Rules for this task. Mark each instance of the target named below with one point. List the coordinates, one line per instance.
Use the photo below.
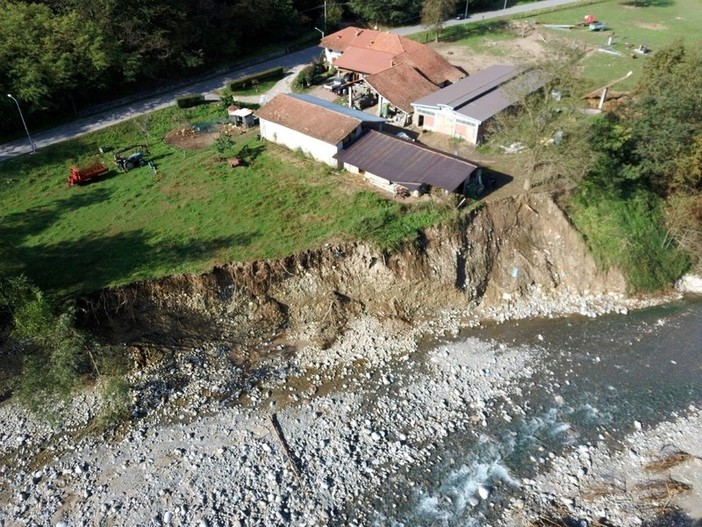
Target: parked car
(334, 83)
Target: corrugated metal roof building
(462, 109)
(390, 162)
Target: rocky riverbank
(308, 438)
(289, 392)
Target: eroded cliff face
(518, 250)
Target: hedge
(245, 83)
(188, 101)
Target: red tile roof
(367, 61)
(432, 65)
(309, 119)
(368, 51)
(367, 39)
(401, 85)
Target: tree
(666, 114)
(435, 13)
(387, 12)
(334, 14)
(545, 123)
(222, 144)
(44, 56)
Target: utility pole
(325, 16)
(505, 7)
(34, 148)
(465, 15)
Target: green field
(194, 213)
(655, 23)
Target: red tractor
(82, 175)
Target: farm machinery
(131, 161)
(83, 175)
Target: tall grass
(627, 232)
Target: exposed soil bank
(512, 259)
(352, 414)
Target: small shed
(242, 117)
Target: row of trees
(58, 54)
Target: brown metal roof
(308, 118)
(401, 85)
(406, 163)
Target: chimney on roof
(358, 31)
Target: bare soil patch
(528, 46)
(651, 25)
(189, 139)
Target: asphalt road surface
(208, 87)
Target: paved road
(117, 115)
(473, 17)
(208, 87)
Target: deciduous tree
(552, 135)
(387, 12)
(435, 13)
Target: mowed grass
(655, 23)
(195, 213)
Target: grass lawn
(654, 22)
(195, 213)
(657, 24)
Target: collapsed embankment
(203, 447)
(514, 258)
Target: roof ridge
(425, 147)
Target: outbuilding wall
(449, 123)
(293, 139)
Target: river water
(596, 380)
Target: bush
(228, 100)
(249, 81)
(55, 355)
(53, 350)
(627, 232)
(304, 79)
(188, 101)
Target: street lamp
(34, 148)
